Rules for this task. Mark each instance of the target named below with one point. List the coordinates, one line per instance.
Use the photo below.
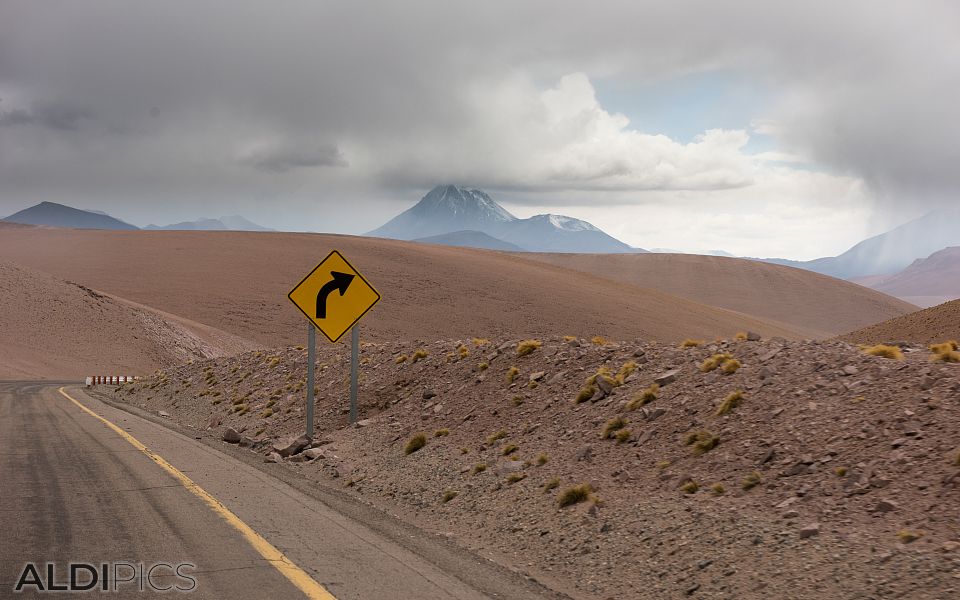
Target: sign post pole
(311, 360)
(354, 359)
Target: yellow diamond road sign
(334, 296)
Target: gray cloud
(418, 92)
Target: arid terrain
(929, 325)
(834, 476)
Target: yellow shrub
(884, 351)
(527, 346)
(512, 373)
(730, 402)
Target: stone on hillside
(273, 457)
(850, 370)
(428, 393)
(604, 385)
(291, 446)
(810, 531)
(753, 337)
(537, 376)
(314, 453)
(230, 435)
(884, 506)
(556, 378)
(666, 378)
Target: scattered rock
(428, 393)
(314, 453)
(163, 414)
(273, 457)
(666, 378)
(810, 531)
(850, 370)
(291, 446)
(884, 506)
(230, 435)
(537, 376)
(753, 337)
(364, 423)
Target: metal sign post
(354, 359)
(311, 361)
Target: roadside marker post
(334, 296)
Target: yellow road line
(296, 575)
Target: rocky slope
(835, 474)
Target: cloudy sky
(765, 128)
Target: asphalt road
(74, 490)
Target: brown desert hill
(927, 326)
(798, 297)
(55, 328)
(927, 282)
(238, 281)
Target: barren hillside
(927, 282)
(795, 296)
(834, 474)
(930, 325)
(51, 328)
(237, 282)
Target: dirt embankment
(834, 475)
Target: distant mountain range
(52, 214)
(59, 215)
(927, 282)
(892, 251)
(231, 223)
(458, 214)
(470, 239)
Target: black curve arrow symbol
(340, 282)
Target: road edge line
(297, 576)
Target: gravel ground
(839, 470)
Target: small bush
(729, 403)
(906, 536)
(662, 464)
(483, 366)
(419, 355)
(715, 361)
(612, 426)
(493, 437)
(645, 397)
(527, 347)
(464, 451)
(509, 449)
(946, 352)
(274, 361)
(625, 371)
(518, 400)
(574, 495)
(840, 471)
(512, 373)
(585, 394)
(731, 366)
(480, 342)
(717, 489)
(569, 338)
(515, 477)
(441, 432)
(689, 343)
(267, 413)
(415, 443)
(448, 496)
(598, 340)
(542, 459)
(690, 487)
(741, 336)
(623, 436)
(400, 359)
(463, 351)
(884, 351)
(751, 481)
(479, 468)
(551, 485)
(702, 441)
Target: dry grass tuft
(509, 449)
(512, 373)
(612, 426)
(625, 371)
(751, 481)
(515, 477)
(598, 340)
(585, 393)
(483, 366)
(906, 536)
(441, 432)
(527, 347)
(840, 471)
(741, 336)
(623, 436)
(463, 351)
(689, 343)
(717, 489)
(542, 459)
(478, 342)
(569, 338)
(702, 441)
(479, 468)
(497, 435)
(714, 361)
(690, 487)
(267, 413)
(945, 352)
(448, 496)
(731, 366)
(415, 443)
(551, 485)
(883, 351)
(518, 400)
(574, 495)
(645, 397)
(729, 403)
(419, 355)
